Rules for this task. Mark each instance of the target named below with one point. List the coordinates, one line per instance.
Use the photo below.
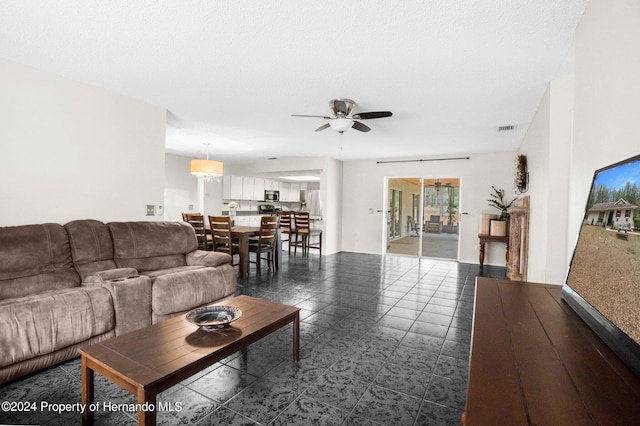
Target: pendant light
(208, 169)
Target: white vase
(498, 228)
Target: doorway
(430, 226)
(441, 213)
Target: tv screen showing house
(603, 284)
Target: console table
(535, 362)
(491, 238)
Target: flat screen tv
(603, 284)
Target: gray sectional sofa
(65, 286)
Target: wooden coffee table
(147, 361)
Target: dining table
(242, 234)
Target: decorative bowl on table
(211, 318)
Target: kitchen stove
(267, 209)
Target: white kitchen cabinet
(284, 192)
(247, 188)
(253, 220)
(258, 189)
(294, 192)
(236, 187)
(248, 220)
(232, 187)
(272, 185)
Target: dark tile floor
(384, 341)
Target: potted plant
(497, 200)
(451, 218)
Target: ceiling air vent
(507, 128)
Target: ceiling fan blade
(314, 116)
(360, 126)
(322, 127)
(369, 115)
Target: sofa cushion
(42, 323)
(148, 246)
(35, 258)
(208, 258)
(91, 246)
(179, 289)
(25, 286)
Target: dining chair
(304, 234)
(284, 218)
(196, 220)
(265, 243)
(222, 241)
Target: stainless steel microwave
(270, 195)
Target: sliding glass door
(404, 216)
(423, 217)
(441, 198)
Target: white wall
(557, 254)
(607, 96)
(181, 190)
(364, 189)
(581, 126)
(547, 147)
(71, 151)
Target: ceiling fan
(343, 117)
(439, 185)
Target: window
(627, 213)
(618, 213)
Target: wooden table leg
(243, 247)
(296, 337)
(87, 392)
(147, 412)
(278, 258)
(481, 253)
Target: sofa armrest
(207, 258)
(101, 277)
(131, 294)
(131, 302)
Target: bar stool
(304, 234)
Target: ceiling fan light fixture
(341, 124)
(342, 118)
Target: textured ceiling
(231, 73)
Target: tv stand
(535, 362)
